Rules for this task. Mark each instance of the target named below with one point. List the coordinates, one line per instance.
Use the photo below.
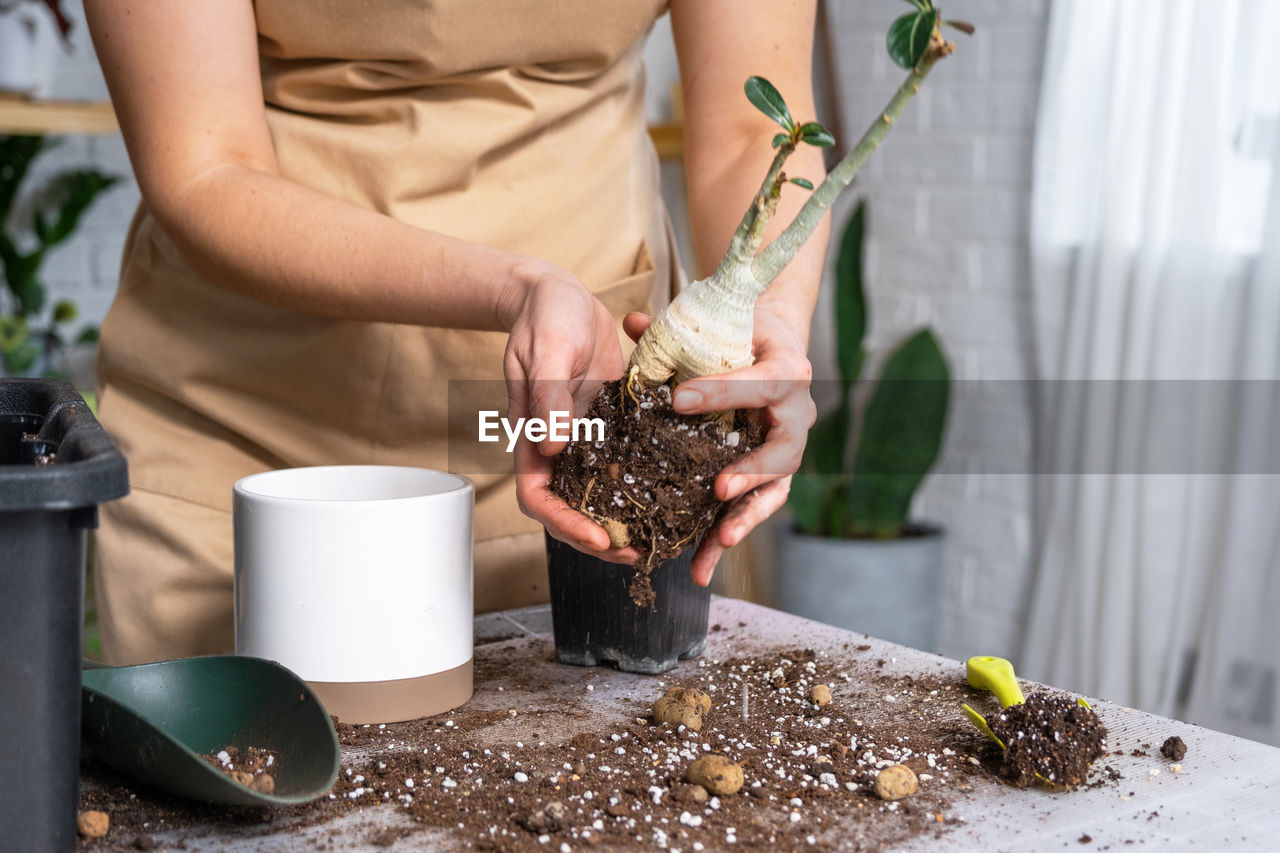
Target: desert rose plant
(707, 330)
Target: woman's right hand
(562, 345)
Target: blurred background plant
(33, 334)
(857, 479)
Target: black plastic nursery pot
(595, 621)
(56, 465)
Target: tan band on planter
(359, 702)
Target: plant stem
(769, 263)
(742, 248)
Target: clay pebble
(682, 706)
(93, 824)
(820, 695)
(896, 782)
(720, 776)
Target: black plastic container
(595, 621)
(56, 465)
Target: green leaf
(765, 97)
(26, 288)
(13, 331)
(901, 435)
(815, 134)
(781, 139)
(22, 358)
(922, 5)
(818, 482)
(810, 502)
(16, 156)
(73, 193)
(64, 311)
(851, 300)
(88, 335)
(909, 37)
(801, 182)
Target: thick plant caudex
(708, 328)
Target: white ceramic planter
(886, 588)
(28, 41)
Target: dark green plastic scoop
(153, 722)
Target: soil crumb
(253, 767)
(651, 481)
(1173, 749)
(1049, 734)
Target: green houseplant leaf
(766, 98)
(56, 213)
(815, 134)
(13, 331)
(909, 37)
(802, 182)
(901, 436)
(851, 300)
(21, 358)
(74, 192)
(16, 154)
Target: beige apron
(517, 124)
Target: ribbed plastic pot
(45, 510)
(596, 622)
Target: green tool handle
(995, 674)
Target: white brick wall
(947, 200)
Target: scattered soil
(651, 481)
(1049, 734)
(253, 766)
(1173, 749)
(808, 772)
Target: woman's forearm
(265, 236)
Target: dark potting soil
(809, 771)
(253, 766)
(1173, 749)
(654, 473)
(1049, 734)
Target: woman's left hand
(777, 385)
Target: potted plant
(33, 334)
(27, 44)
(850, 555)
(650, 482)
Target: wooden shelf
(21, 115)
(669, 140)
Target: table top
(1223, 793)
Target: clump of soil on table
(1049, 734)
(651, 481)
(1173, 749)
(253, 766)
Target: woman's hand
(563, 345)
(777, 385)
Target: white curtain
(1156, 282)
